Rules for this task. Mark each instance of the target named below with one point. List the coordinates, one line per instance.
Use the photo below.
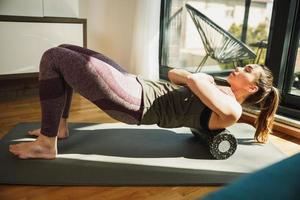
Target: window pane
(183, 46)
(295, 87)
(259, 20)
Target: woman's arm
(179, 76)
(226, 110)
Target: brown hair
(267, 97)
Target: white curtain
(145, 41)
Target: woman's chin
(228, 79)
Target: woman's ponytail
(268, 108)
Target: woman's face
(244, 78)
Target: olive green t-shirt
(169, 105)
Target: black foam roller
(221, 143)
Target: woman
(190, 100)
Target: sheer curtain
(145, 41)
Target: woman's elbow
(232, 116)
(171, 74)
(226, 120)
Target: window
(294, 87)
(181, 44)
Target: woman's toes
(43, 147)
(13, 149)
(22, 156)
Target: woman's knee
(65, 46)
(49, 58)
(54, 53)
(50, 53)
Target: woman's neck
(240, 96)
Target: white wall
(61, 8)
(23, 43)
(110, 28)
(22, 8)
(27, 41)
(40, 8)
(111, 25)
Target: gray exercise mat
(119, 154)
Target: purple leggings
(93, 75)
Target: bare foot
(44, 147)
(63, 131)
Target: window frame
(282, 52)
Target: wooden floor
(28, 110)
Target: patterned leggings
(93, 75)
